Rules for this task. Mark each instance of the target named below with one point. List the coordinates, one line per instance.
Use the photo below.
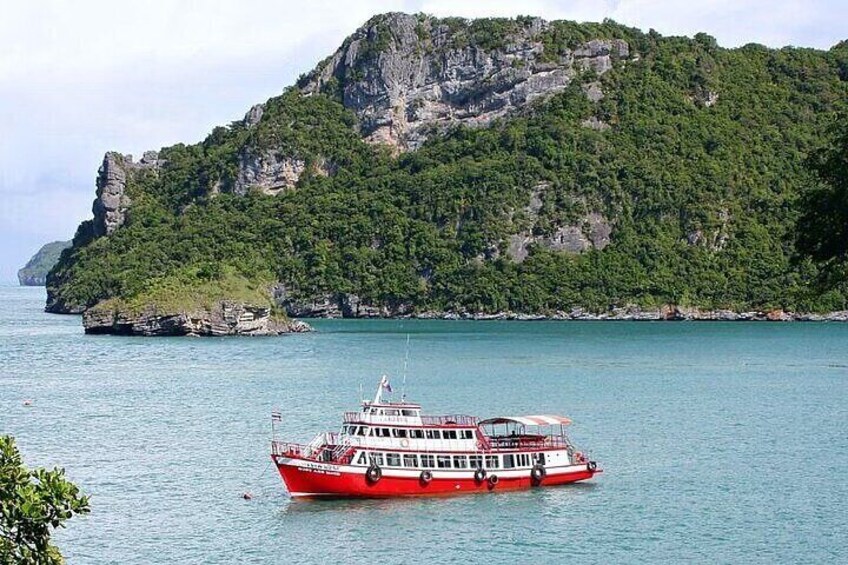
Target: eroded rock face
(112, 201)
(226, 318)
(254, 115)
(336, 305)
(272, 172)
(593, 231)
(405, 75)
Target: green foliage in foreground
(33, 503)
(703, 198)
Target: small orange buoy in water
(27, 402)
(247, 496)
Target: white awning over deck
(534, 420)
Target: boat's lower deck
(305, 478)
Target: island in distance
(34, 273)
(483, 169)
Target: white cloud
(81, 77)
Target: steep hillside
(34, 273)
(486, 166)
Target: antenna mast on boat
(405, 365)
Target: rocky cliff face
(408, 75)
(225, 318)
(112, 201)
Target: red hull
(306, 482)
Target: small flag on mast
(385, 383)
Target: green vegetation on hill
(34, 273)
(702, 194)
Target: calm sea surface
(721, 442)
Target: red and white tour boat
(390, 449)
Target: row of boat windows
(393, 412)
(404, 433)
(435, 461)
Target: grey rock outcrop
(336, 305)
(592, 122)
(406, 75)
(226, 318)
(254, 115)
(272, 171)
(593, 231)
(112, 201)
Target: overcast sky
(78, 78)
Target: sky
(82, 77)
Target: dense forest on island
(696, 159)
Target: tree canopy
(33, 503)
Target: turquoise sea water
(721, 442)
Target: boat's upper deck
(407, 415)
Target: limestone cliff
(224, 318)
(112, 201)
(407, 76)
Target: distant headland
(34, 273)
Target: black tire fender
(538, 473)
(480, 475)
(374, 474)
(426, 477)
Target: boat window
(361, 459)
(352, 430)
(375, 458)
(373, 410)
(492, 462)
(449, 434)
(475, 461)
(428, 461)
(382, 432)
(408, 412)
(460, 462)
(362, 431)
(524, 460)
(509, 461)
(410, 460)
(467, 434)
(398, 432)
(391, 412)
(434, 434)
(392, 459)
(443, 461)
(416, 433)
(540, 458)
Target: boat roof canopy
(535, 420)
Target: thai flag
(386, 386)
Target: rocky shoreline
(351, 306)
(224, 319)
